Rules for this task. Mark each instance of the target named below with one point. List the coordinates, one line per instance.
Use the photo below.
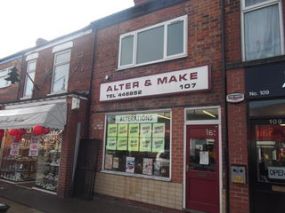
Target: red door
(202, 169)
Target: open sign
(276, 173)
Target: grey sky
(22, 22)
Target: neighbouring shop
(31, 144)
(265, 91)
(33, 157)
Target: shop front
(37, 143)
(31, 146)
(167, 156)
(265, 91)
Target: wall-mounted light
(107, 77)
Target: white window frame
(257, 6)
(103, 170)
(165, 57)
(54, 68)
(8, 83)
(27, 78)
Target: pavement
(27, 200)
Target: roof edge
(134, 12)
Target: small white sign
(204, 158)
(136, 118)
(276, 173)
(235, 97)
(192, 79)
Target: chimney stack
(40, 42)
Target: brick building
(185, 99)
(44, 115)
(255, 68)
(158, 102)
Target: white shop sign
(276, 173)
(193, 79)
(137, 118)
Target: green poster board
(122, 143)
(134, 130)
(145, 130)
(133, 144)
(158, 130)
(112, 130)
(122, 130)
(111, 143)
(145, 144)
(158, 144)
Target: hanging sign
(14, 149)
(34, 148)
(276, 173)
(187, 80)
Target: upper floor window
(161, 42)
(262, 34)
(3, 75)
(61, 71)
(30, 77)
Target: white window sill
(26, 97)
(184, 55)
(136, 175)
(56, 93)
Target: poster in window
(123, 130)
(147, 166)
(145, 130)
(15, 148)
(204, 158)
(108, 161)
(134, 130)
(145, 144)
(115, 162)
(158, 144)
(112, 130)
(111, 143)
(158, 130)
(133, 144)
(122, 144)
(130, 164)
(34, 148)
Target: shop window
(29, 81)
(61, 71)
(32, 158)
(157, 43)
(262, 29)
(202, 114)
(3, 75)
(270, 148)
(138, 144)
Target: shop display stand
(18, 168)
(48, 169)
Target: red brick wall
(68, 147)
(237, 132)
(10, 93)
(204, 48)
(233, 32)
(80, 67)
